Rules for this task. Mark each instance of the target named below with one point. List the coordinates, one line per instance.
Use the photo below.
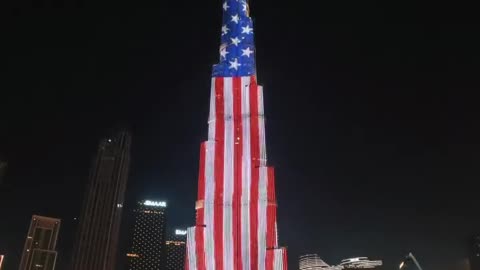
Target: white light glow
(180, 232)
(154, 203)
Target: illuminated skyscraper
(39, 251)
(236, 223)
(147, 250)
(97, 241)
(176, 250)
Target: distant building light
(109, 140)
(180, 232)
(154, 203)
(119, 205)
(133, 255)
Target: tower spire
(237, 43)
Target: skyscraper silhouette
(99, 226)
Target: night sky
(372, 117)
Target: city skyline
(371, 118)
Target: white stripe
(262, 217)
(228, 175)
(261, 128)
(209, 204)
(192, 254)
(277, 259)
(246, 173)
(210, 183)
(211, 118)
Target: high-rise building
(314, 262)
(3, 170)
(99, 225)
(39, 252)
(474, 253)
(147, 248)
(236, 222)
(176, 250)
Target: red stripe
(270, 257)
(237, 190)
(255, 152)
(200, 247)
(271, 213)
(285, 261)
(219, 160)
(201, 186)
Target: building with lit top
(176, 250)
(97, 241)
(147, 246)
(39, 251)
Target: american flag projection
(236, 226)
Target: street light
(410, 257)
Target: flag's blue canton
(237, 47)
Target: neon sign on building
(155, 203)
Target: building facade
(147, 249)
(39, 251)
(360, 263)
(176, 250)
(236, 209)
(314, 262)
(99, 225)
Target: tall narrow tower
(97, 242)
(236, 226)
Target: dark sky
(372, 117)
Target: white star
(225, 5)
(224, 52)
(244, 7)
(234, 64)
(235, 41)
(247, 52)
(235, 18)
(247, 29)
(224, 29)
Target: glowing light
(180, 232)
(133, 255)
(154, 203)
